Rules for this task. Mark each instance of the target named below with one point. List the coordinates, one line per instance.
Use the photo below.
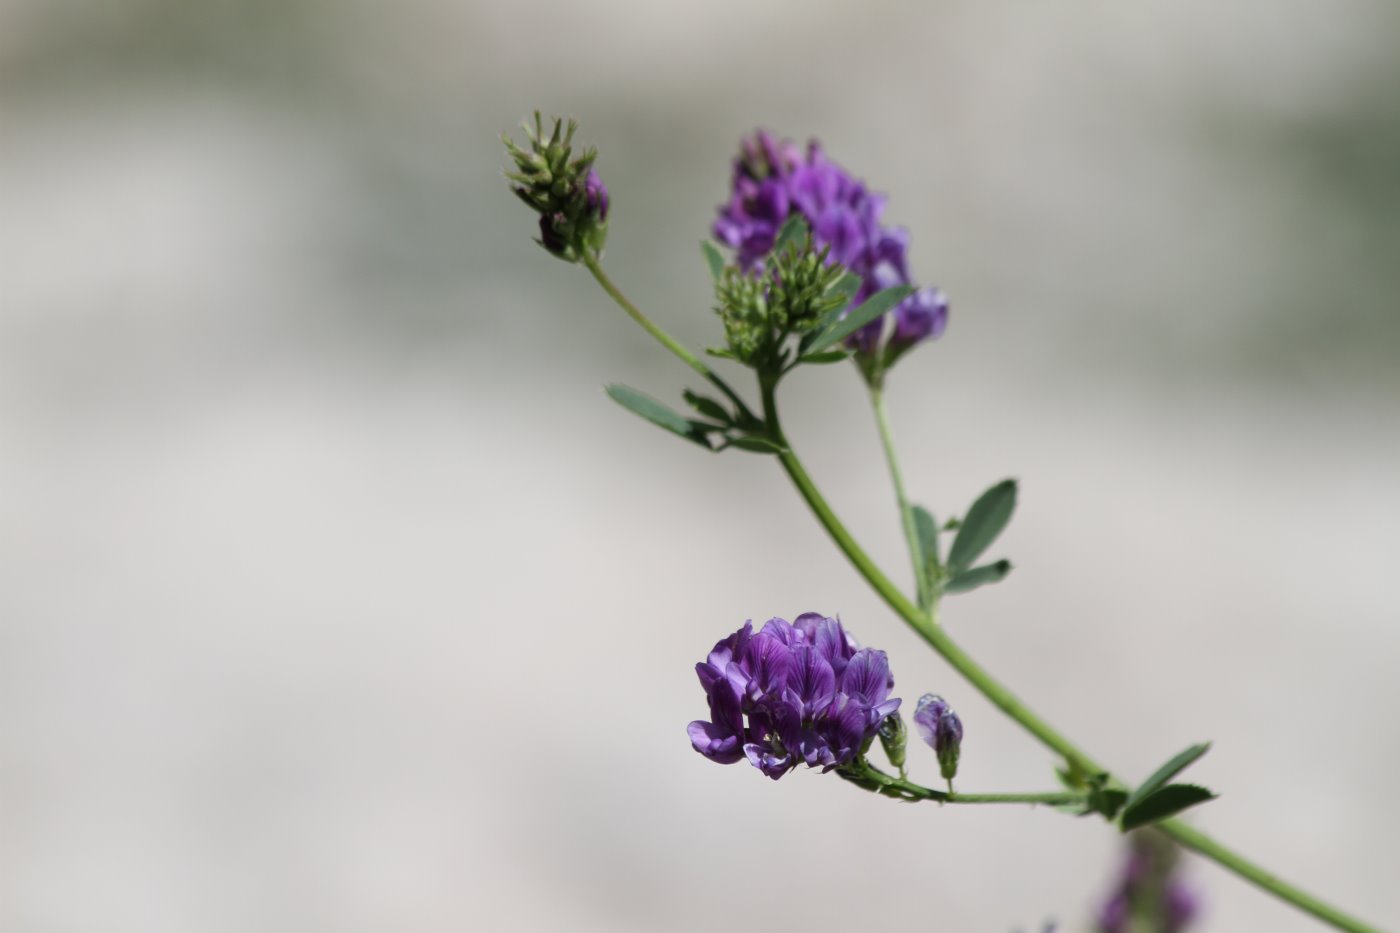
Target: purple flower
(595, 194)
(773, 180)
(794, 693)
(941, 728)
(1149, 890)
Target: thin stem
(989, 687)
(1199, 842)
(975, 674)
(864, 774)
(665, 339)
(978, 676)
(906, 514)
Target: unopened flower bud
(893, 735)
(567, 192)
(941, 728)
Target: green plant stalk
(906, 514)
(665, 339)
(864, 774)
(963, 663)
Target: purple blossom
(798, 692)
(1148, 889)
(595, 194)
(941, 728)
(773, 180)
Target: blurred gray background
(335, 596)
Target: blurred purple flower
(798, 692)
(1148, 891)
(773, 180)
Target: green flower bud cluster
(804, 294)
(795, 294)
(565, 191)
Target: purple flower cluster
(773, 180)
(795, 693)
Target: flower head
(566, 191)
(773, 180)
(793, 693)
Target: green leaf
(965, 580)
(1107, 801)
(723, 353)
(927, 531)
(714, 258)
(792, 233)
(952, 524)
(847, 287)
(874, 306)
(983, 522)
(1171, 769)
(1162, 803)
(758, 445)
(707, 407)
(649, 408)
(830, 356)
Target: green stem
(989, 687)
(665, 339)
(1200, 843)
(960, 660)
(978, 676)
(864, 774)
(906, 514)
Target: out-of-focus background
(335, 596)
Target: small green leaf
(830, 356)
(758, 445)
(952, 524)
(1171, 769)
(965, 580)
(983, 522)
(649, 408)
(1107, 801)
(793, 232)
(847, 287)
(874, 306)
(714, 258)
(1162, 803)
(707, 406)
(723, 353)
(927, 531)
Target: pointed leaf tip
(644, 406)
(1162, 803)
(982, 524)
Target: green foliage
(1178, 763)
(982, 524)
(1162, 803)
(874, 306)
(645, 406)
(713, 258)
(970, 579)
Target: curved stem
(906, 514)
(864, 774)
(1200, 843)
(975, 674)
(978, 676)
(989, 687)
(663, 338)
